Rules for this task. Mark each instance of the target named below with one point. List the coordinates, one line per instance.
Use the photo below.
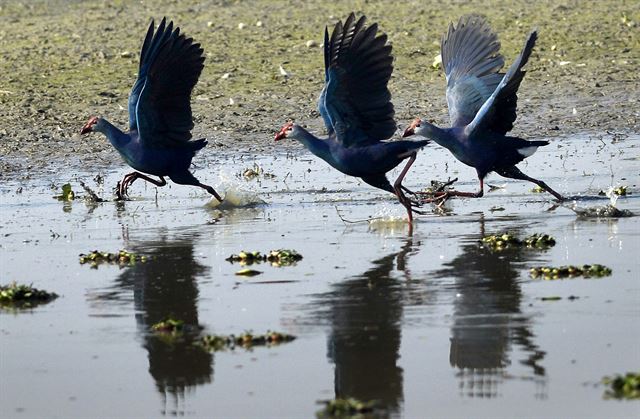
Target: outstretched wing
(471, 60)
(499, 111)
(160, 101)
(355, 102)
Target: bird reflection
(166, 285)
(365, 317)
(488, 319)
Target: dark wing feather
(355, 102)
(471, 60)
(499, 111)
(160, 102)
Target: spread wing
(160, 101)
(499, 111)
(471, 60)
(355, 102)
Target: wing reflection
(365, 315)
(488, 319)
(166, 285)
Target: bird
(160, 122)
(482, 104)
(355, 104)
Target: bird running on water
(356, 107)
(160, 121)
(482, 104)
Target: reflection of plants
(623, 386)
(24, 296)
(587, 271)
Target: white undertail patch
(527, 151)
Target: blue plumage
(356, 107)
(160, 120)
(482, 104)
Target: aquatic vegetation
(66, 194)
(619, 191)
(168, 325)
(246, 340)
(349, 407)
(122, 258)
(23, 296)
(623, 386)
(539, 241)
(280, 257)
(498, 242)
(537, 189)
(587, 271)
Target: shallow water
(428, 324)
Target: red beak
(408, 132)
(88, 127)
(280, 135)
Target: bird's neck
(314, 144)
(438, 135)
(116, 137)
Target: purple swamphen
(482, 104)
(160, 121)
(355, 105)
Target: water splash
(236, 197)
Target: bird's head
(418, 127)
(90, 125)
(288, 130)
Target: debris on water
(537, 189)
(606, 211)
(67, 194)
(496, 187)
(122, 258)
(494, 209)
(438, 186)
(256, 171)
(168, 325)
(248, 272)
(498, 242)
(623, 386)
(587, 271)
(246, 340)
(23, 296)
(345, 408)
(91, 195)
(280, 257)
(553, 298)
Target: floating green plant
(24, 296)
(498, 242)
(168, 325)
(67, 193)
(246, 340)
(122, 258)
(537, 189)
(587, 271)
(623, 386)
(349, 407)
(280, 257)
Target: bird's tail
(197, 144)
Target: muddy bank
(64, 60)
